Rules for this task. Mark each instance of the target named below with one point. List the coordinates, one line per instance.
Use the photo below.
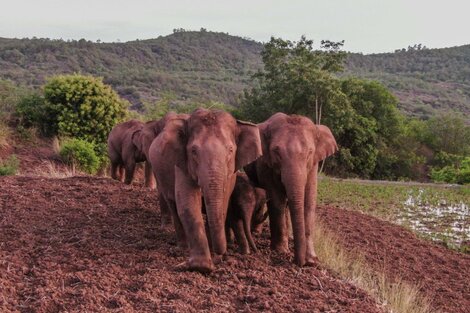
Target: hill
(194, 66)
(426, 81)
(200, 66)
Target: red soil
(89, 244)
(443, 274)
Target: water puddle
(441, 221)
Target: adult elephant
(128, 144)
(197, 156)
(292, 147)
(123, 152)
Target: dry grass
(397, 296)
(53, 170)
(56, 145)
(5, 133)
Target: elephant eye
(230, 149)
(194, 151)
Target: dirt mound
(92, 244)
(443, 274)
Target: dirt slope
(443, 274)
(93, 245)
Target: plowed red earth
(89, 244)
(444, 275)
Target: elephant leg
(150, 181)
(130, 168)
(247, 231)
(188, 204)
(277, 221)
(121, 173)
(241, 237)
(165, 211)
(228, 232)
(310, 205)
(180, 234)
(115, 170)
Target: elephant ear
(248, 144)
(265, 135)
(325, 144)
(137, 139)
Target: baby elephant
(246, 210)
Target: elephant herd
(195, 161)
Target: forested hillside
(194, 66)
(425, 80)
(198, 66)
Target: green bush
(447, 174)
(30, 111)
(453, 174)
(80, 154)
(463, 175)
(82, 107)
(9, 166)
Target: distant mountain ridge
(202, 66)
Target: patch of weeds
(9, 166)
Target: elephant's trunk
(213, 187)
(294, 180)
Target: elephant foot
(299, 261)
(243, 250)
(280, 247)
(311, 261)
(151, 186)
(198, 265)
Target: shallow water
(441, 220)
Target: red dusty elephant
(292, 147)
(197, 156)
(128, 144)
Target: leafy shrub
(80, 154)
(30, 111)
(463, 176)
(9, 94)
(9, 166)
(82, 107)
(453, 174)
(447, 174)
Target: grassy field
(437, 212)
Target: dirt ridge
(91, 244)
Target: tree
(82, 107)
(297, 79)
(448, 133)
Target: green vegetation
(453, 174)
(70, 106)
(81, 107)
(80, 154)
(9, 166)
(440, 213)
(427, 81)
(195, 66)
(166, 104)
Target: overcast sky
(365, 25)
